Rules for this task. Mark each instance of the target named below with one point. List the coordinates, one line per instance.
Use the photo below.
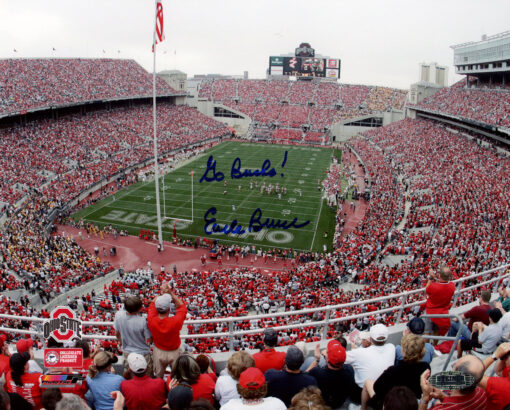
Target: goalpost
(165, 218)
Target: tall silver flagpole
(156, 171)
(191, 196)
(164, 195)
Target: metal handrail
(455, 339)
(327, 310)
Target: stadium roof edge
(498, 36)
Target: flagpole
(164, 195)
(156, 171)
(192, 196)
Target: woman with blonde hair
(226, 385)
(310, 398)
(407, 373)
(102, 381)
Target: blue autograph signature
(256, 223)
(236, 173)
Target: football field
(228, 203)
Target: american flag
(160, 36)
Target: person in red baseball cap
(252, 388)
(335, 381)
(27, 345)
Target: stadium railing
(454, 338)
(405, 300)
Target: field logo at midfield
(274, 236)
(136, 218)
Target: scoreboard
(304, 66)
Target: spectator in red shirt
(4, 355)
(207, 380)
(27, 345)
(269, 358)
(19, 381)
(186, 371)
(142, 392)
(165, 329)
(469, 398)
(439, 296)
(497, 388)
(475, 314)
(88, 357)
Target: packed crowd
(389, 155)
(78, 151)
(295, 103)
(50, 265)
(464, 226)
(360, 369)
(486, 105)
(468, 224)
(27, 84)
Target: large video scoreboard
(304, 64)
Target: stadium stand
(68, 155)
(482, 104)
(295, 104)
(458, 211)
(29, 84)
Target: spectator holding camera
(165, 329)
(439, 291)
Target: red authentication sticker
(63, 358)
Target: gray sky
(379, 42)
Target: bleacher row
(420, 152)
(461, 225)
(487, 105)
(73, 152)
(292, 104)
(29, 84)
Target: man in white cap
(369, 363)
(165, 329)
(142, 392)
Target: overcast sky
(379, 42)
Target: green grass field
(134, 208)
